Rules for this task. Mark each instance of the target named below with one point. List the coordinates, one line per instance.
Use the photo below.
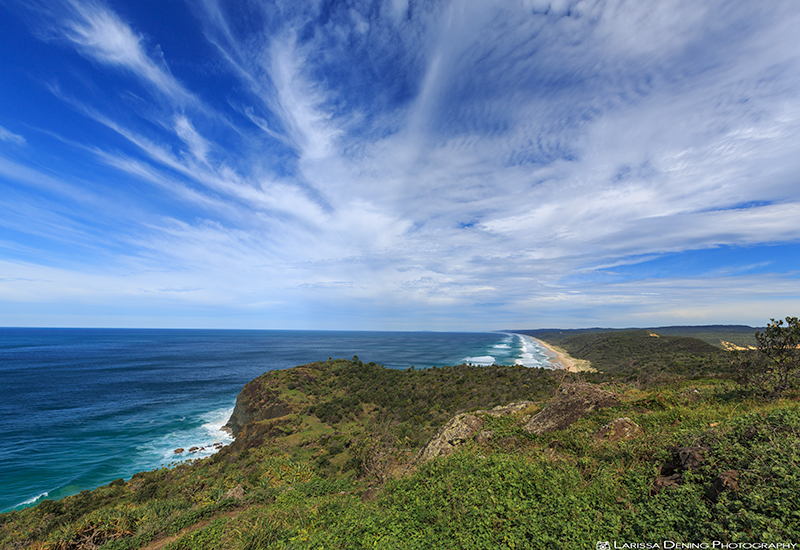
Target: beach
(564, 359)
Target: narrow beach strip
(565, 360)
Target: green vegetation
(721, 336)
(337, 466)
(646, 357)
(774, 367)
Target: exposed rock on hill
(692, 457)
(454, 433)
(461, 428)
(256, 402)
(573, 401)
(621, 428)
(726, 481)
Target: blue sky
(399, 165)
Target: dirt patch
(161, 543)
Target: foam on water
(482, 361)
(533, 354)
(35, 499)
(205, 434)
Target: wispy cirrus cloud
(100, 34)
(8, 136)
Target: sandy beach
(565, 360)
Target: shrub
(771, 369)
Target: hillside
(328, 455)
(645, 355)
(716, 335)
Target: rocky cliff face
(257, 401)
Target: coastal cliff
(256, 402)
(341, 395)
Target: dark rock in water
(692, 457)
(663, 482)
(726, 481)
(178, 450)
(193, 449)
(572, 402)
(621, 428)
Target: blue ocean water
(82, 407)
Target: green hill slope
(716, 335)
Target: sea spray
(196, 439)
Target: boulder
(726, 481)
(454, 433)
(463, 427)
(572, 402)
(179, 450)
(663, 482)
(236, 493)
(692, 457)
(621, 428)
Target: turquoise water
(83, 407)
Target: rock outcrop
(572, 402)
(692, 457)
(256, 402)
(451, 435)
(620, 429)
(664, 482)
(462, 427)
(726, 481)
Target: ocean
(83, 407)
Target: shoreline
(569, 363)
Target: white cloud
(6, 135)
(299, 101)
(196, 143)
(100, 34)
